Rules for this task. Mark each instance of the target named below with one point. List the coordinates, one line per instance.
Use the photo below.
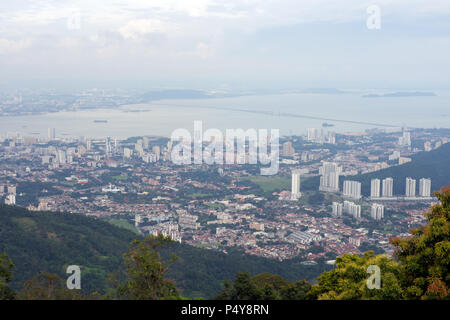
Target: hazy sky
(224, 44)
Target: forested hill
(434, 164)
(49, 242)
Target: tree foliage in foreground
(348, 281)
(6, 267)
(145, 272)
(424, 259)
(264, 286)
(47, 286)
(422, 270)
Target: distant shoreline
(400, 95)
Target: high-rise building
(288, 150)
(331, 137)
(410, 190)
(356, 211)
(139, 148)
(375, 188)
(319, 136)
(157, 151)
(352, 209)
(61, 157)
(145, 143)
(108, 147)
(405, 139)
(352, 189)
(425, 187)
(51, 133)
(127, 153)
(377, 211)
(295, 190)
(337, 209)
(329, 180)
(10, 199)
(388, 188)
(314, 135)
(88, 145)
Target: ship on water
(101, 121)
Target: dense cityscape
(133, 182)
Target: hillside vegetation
(49, 242)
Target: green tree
(264, 286)
(47, 286)
(348, 281)
(6, 267)
(242, 288)
(295, 291)
(145, 271)
(425, 257)
(422, 270)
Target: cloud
(204, 51)
(13, 46)
(137, 29)
(221, 37)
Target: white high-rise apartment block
(108, 146)
(388, 188)
(352, 189)
(314, 134)
(425, 187)
(51, 133)
(295, 190)
(410, 190)
(10, 199)
(157, 151)
(356, 211)
(377, 211)
(331, 138)
(337, 209)
(405, 140)
(319, 136)
(127, 152)
(329, 180)
(61, 157)
(352, 209)
(88, 145)
(375, 188)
